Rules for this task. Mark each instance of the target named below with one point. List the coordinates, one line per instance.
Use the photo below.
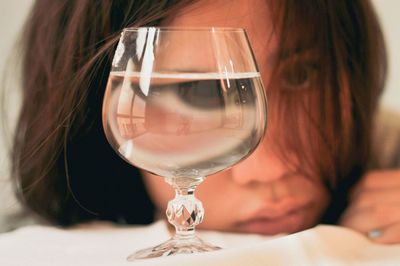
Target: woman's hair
(329, 76)
(67, 172)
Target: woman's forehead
(252, 15)
(224, 13)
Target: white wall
(12, 15)
(389, 14)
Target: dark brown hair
(68, 47)
(330, 73)
(65, 169)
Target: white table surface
(107, 244)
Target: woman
(323, 64)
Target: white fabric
(106, 244)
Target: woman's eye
(297, 75)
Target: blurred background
(13, 14)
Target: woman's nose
(263, 165)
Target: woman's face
(260, 194)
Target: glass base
(173, 247)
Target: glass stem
(185, 211)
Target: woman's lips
(272, 226)
(268, 223)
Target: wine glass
(184, 103)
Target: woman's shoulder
(386, 139)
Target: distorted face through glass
(264, 193)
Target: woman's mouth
(263, 222)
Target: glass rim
(184, 28)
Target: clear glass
(184, 103)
